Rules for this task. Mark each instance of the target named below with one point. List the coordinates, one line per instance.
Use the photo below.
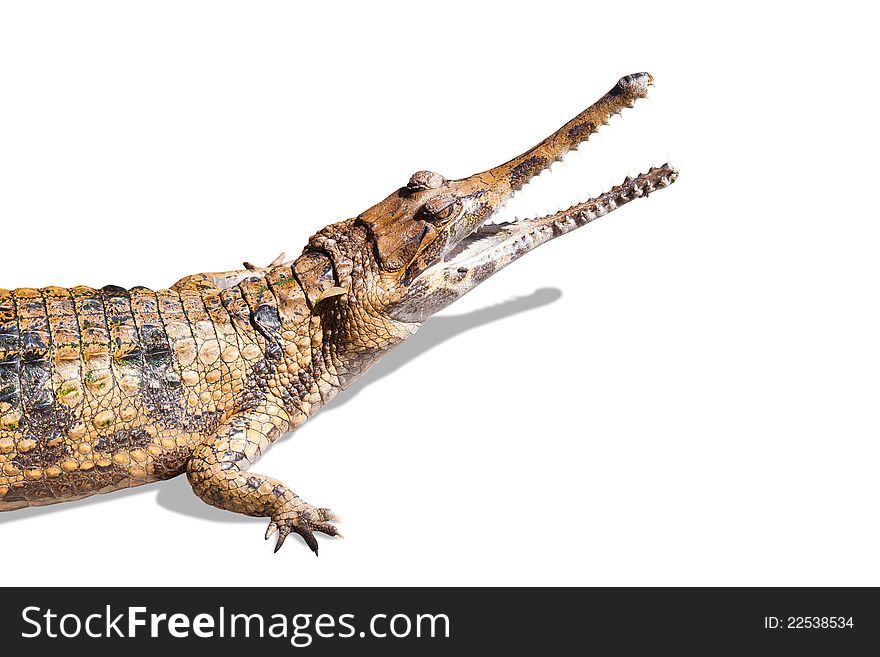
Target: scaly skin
(102, 389)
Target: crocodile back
(106, 388)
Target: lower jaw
(491, 241)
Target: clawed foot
(303, 522)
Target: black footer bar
(436, 621)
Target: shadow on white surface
(175, 494)
(440, 329)
(33, 512)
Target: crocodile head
(432, 240)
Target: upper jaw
(491, 189)
(502, 181)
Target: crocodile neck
(327, 338)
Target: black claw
(283, 531)
(305, 528)
(310, 539)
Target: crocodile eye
(442, 207)
(425, 180)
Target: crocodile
(104, 389)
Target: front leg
(217, 472)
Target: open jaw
(488, 244)
(474, 249)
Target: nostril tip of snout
(636, 84)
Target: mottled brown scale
(229, 350)
(314, 273)
(39, 424)
(10, 400)
(127, 362)
(263, 315)
(101, 389)
(292, 304)
(204, 358)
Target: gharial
(102, 389)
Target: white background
(685, 392)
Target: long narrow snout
(503, 180)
